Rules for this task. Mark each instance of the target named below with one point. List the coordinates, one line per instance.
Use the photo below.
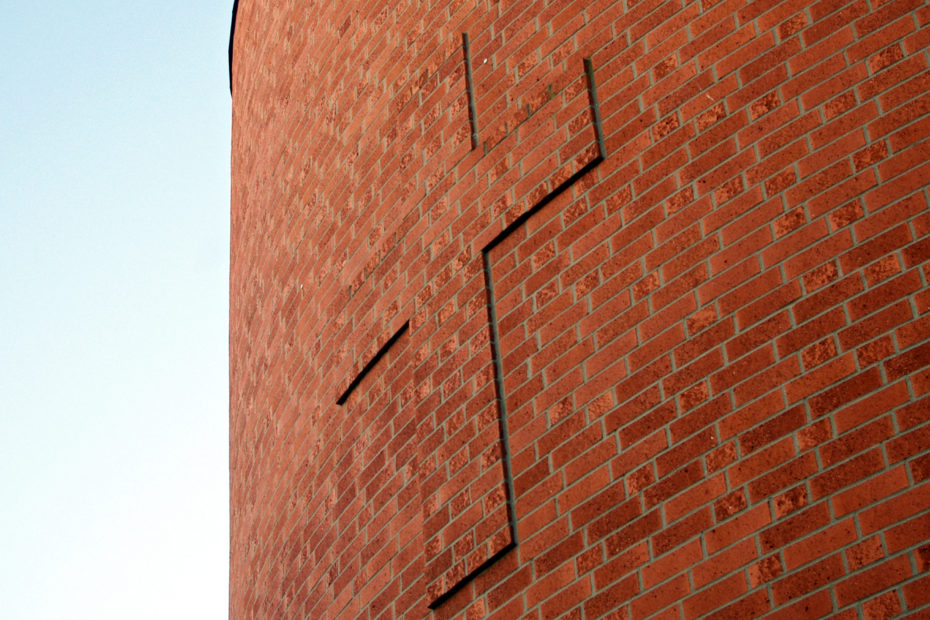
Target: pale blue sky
(114, 199)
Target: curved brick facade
(580, 309)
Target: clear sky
(114, 228)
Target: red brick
(772, 430)
(790, 501)
(868, 492)
(813, 256)
(917, 593)
(808, 579)
(815, 434)
(816, 605)
(737, 528)
(874, 351)
(873, 580)
(882, 322)
(713, 343)
(671, 564)
(612, 597)
(913, 333)
(715, 596)
(634, 532)
(757, 464)
(773, 378)
(766, 304)
(792, 528)
(720, 457)
(820, 377)
(819, 544)
(752, 414)
(857, 441)
(880, 295)
(848, 473)
(621, 566)
(909, 444)
(660, 597)
(886, 14)
(788, 474)
(765, 570)
(810, 332)
(674, 535)
(864, 553)
(897, 508)
(883, 606)
(908, 362)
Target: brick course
(580, 309)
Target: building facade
(580, 309)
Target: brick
(765, 570)
(815, 434)
(882, 322)
(751, 414)
(917, 592)
(819, 544)
(773, 429)
(909, 444)
(766, 304)
(790, 501)
(810, 332)
(634, 532)
(883, 606)
(813, 256)
(818, 353)
(715, 596)
(720, 457)
(913, 333)
(896, 288)
(727, 506)
(757, 464)
(622, 565)
(816, 605)
(685, 451)
(807, 579)
(713, 340)
(857, 441)
(788, 474)
(871, 407)
(737, 528)
(864, 553)
(671, 564)
(873, 580)
(612, 597)
(896, 508)
(848, 473)
(908, 362)
(870, 491)
(874, 351)
(787, 530)
(820, 377)
(748, 366)
(660, 597)
(773, 378)
(844, 193)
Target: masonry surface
(580, 309)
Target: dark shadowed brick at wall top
(591, 309)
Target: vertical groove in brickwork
(671, 327)
(470, 86)
(595, 108)
(499, 388)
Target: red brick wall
(580, 309)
